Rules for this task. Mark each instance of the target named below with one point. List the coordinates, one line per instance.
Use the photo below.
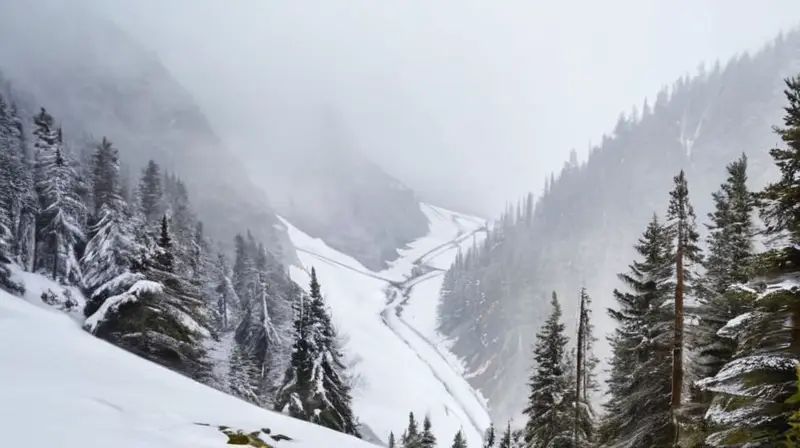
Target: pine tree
(682, 227)
(750, 405)
(243, 369)
(106, 186)
(392, 443)
(458, 440)
(315, 388)
(638, 411)
(62, 210)
(505, 439)
(151, 193)
(164, 254)
(111, 249)
(411, 436)
(548, 409)
(490, 437)
(730, 253)
(585, 382)
(160, 315)
(25, 207)
(10, 179)
(427, 439)
(227, 299)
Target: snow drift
(66, 388)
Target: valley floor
(387, 320)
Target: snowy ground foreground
(388, 322)
(62, 387)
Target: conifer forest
(173, 274)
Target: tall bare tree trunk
(579, 363)
(677, 342)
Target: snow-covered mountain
(387, 320)
(69, 389)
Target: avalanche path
(388, 320)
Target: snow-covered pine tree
(549, 411)
(161, 316)
(459, 441)
(490, 437)
(750, 392)
(263, 314)
(151, 196)
(226, 298)
(427, 439)
(638, 410)
(315, 388)
(112, 247)
(683, 231)
(585, 377)
(62, 211)
(9, 198)
(505, 439)
(730, 253)
(105, 182)
(26, 206)
(184, 225)
(411, 436)
(392, 443)
(243, 376)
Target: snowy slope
(388, 321)
(63, 387)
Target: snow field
(63, 387)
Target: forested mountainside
(100, 82)
(579, 232)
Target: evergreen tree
(750, 404)
(411, 436)
(263, 315)
(490, 437)
(585, 381)
(427, 439)
(682, 227)
(548, 409)
(730, 253)
(151, 193)
(159, 315)
(62, 210)
(392, 443)
(106, 186)
(10, 173)
(25, 207)
(315, 387)
(638, 412)
(458, 440)
(505, 439)
(164, 255)
(111, 249)
(242, 371)
(227, 299)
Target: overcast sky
(469, 102)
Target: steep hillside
(580, 231)
(76, 391)
(97, 80)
